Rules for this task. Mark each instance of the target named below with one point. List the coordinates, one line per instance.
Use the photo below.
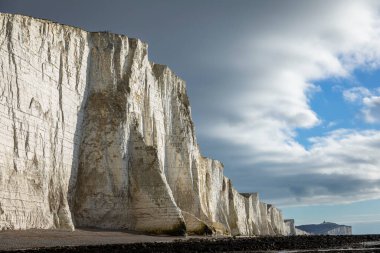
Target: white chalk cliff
(94, 134)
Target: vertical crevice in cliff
(27, 145)
(59, 86)
(14, 96)
(12, 61)
(117, 58)
(147, 117)
(15, 138)
(79, 54)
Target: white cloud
(371, 109)
(284, 58)
(355, 94)
(370, 102)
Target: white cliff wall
(88, 121)
(341, 230)
(121, 181)
(43, 69)
(290, 227)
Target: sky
(285, 93)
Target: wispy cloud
(371, 109)
(356, 94)
(369, 100)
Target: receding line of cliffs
(94, 134)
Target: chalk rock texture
(325, 228)
(290, 227)
(94, 134)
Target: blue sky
(362, 221)
(335, 112)
(284, 92)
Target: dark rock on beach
(359, 243)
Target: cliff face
(93, 134)
(43, 69)
(326, 228)
(290, 227)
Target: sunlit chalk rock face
(253, 213)
(325, 228)
(94, 134)
(276, 221)
(301, 232)
(121, 182)
(43, 68)
(290, 228)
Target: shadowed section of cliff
(94, 124)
